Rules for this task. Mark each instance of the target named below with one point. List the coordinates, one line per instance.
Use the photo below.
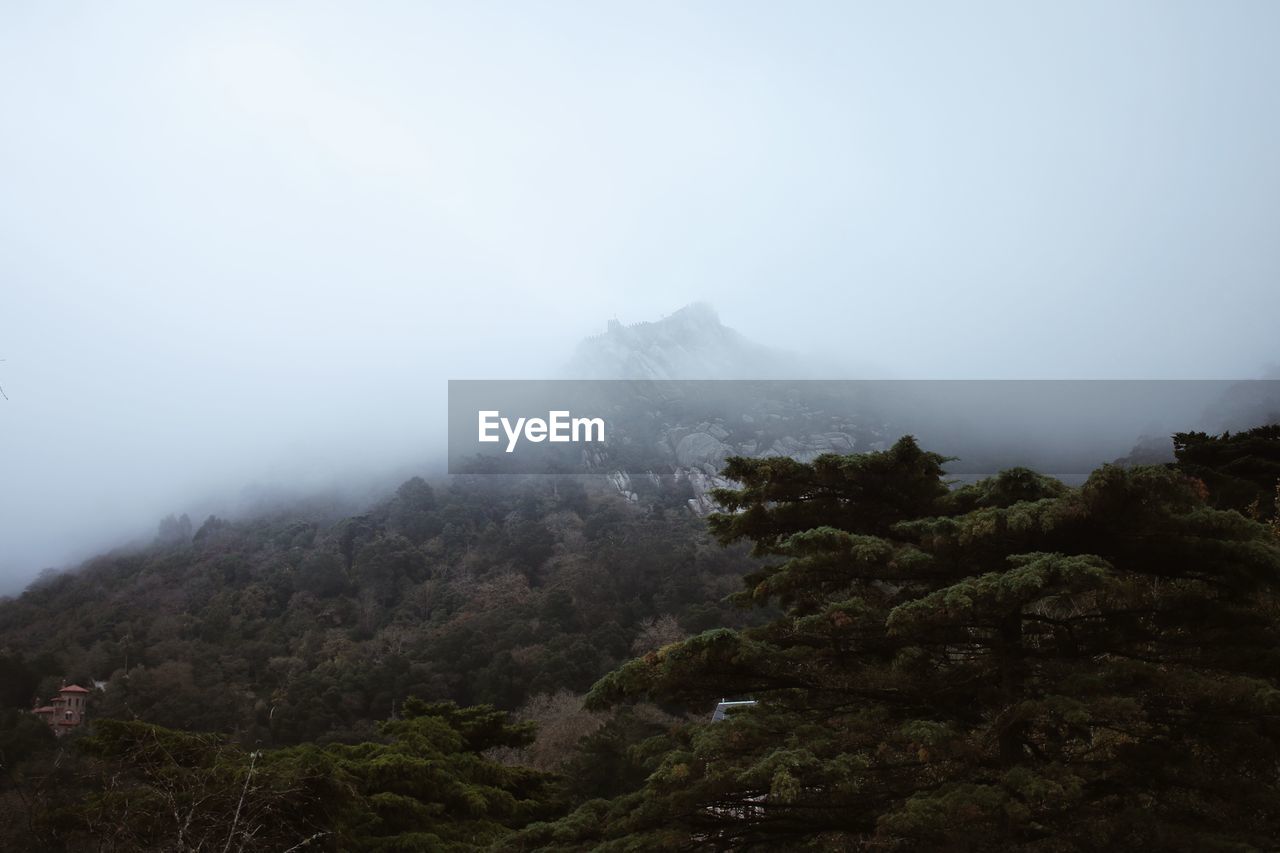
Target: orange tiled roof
(73, 688)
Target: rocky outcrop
(703, 451)
(692, 343)
(692, 456)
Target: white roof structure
(725, 706)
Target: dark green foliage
(780, 496)
(427, 787)
(1240, 470)
(22, 735)
(424, 785)
(151, 788)
(299, 628)
(412, 513)
(1011, 665)
(1014, 665)
(302, 627)
(20, 678)
(619, 756)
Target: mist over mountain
(939, 507)
(681, 442)
(299, 632)
(390, 439)
(690, 343)
(686, 450)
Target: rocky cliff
(679, 446)
(692, 343)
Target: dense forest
(531, 663)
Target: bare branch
(248, 777)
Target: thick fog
(242, 246)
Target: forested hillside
(287, 629)
(1014, 664)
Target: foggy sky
(249, 243)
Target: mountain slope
(692, 343)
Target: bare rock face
(809, 447)
(692, 343)
(621, 481)
(701, 484)
(695, 455)
(703, 451)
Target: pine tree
(1240, 470)
(424, 785)
(1011, 665)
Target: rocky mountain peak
(691, 343)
